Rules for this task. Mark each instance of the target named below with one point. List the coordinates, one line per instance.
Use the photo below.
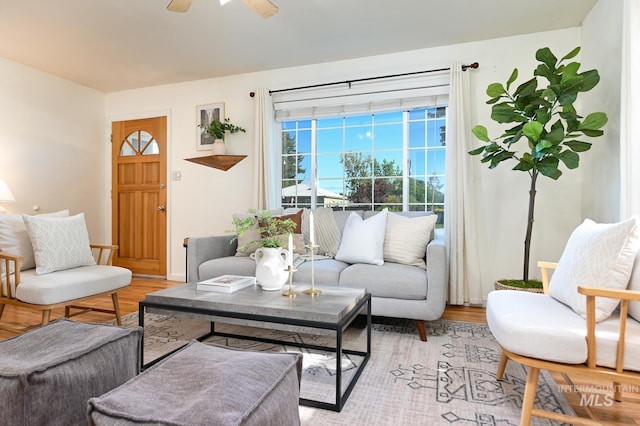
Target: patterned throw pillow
(14, 238)
(406, 238)
(59, 243)
(596, 255)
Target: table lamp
(5, 195)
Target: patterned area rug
(448, 380)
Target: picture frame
(204, 115)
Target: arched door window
(139, 143)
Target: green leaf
(555, 136)
(578, 146)
(543, 71)
(542, 145)
(570, 71)
(593, 133)
(589, 80)
(533, 130)
(505, 113)
(480, 132)
(545, 55)
(523, 166)
(495, 89)
(526, 88)
(494, 100)
(593, 121)
(477, 151)
(512, 78)
(570, 159)
(571, 54)
(549, 167)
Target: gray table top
(331, 306)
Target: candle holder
(290, 293)
(312, 291)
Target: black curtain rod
(349, 82)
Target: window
(391, 160)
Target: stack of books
(225, 283)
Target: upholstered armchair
(587, 321)
(47, 262)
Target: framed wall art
(204, 115)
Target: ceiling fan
(264, 8)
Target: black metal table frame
(339, 327)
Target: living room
(68, 166)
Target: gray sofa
(397, 290)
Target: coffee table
(331, 312)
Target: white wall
(203, 201)
(602, 41)
(52, 144)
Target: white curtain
(265, 189)
(630, 111)
(465, 283)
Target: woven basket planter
(499, 286)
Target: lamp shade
(5, 194)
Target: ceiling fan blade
(179, 5)
(264, 8)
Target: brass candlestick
(312, 291)
(290, 291)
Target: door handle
(161, 208)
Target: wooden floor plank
(625, 412)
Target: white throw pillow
(14, 238)
(326, 230)
(596, 255)
(59, 243)
(406, 238)
(363, 240)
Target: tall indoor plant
(546, 119)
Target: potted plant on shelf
(217, 130)
(270, 234)
(546, 123)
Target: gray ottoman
(204, 384)
(47, 375)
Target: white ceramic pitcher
(271, 265)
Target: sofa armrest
(201, 249)
(437, 271)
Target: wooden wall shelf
(221, 162)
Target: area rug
(448, 380)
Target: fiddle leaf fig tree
(544, 130)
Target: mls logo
(596, 400)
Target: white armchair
(595, 333)
(60, 268)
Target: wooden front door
(139, 194)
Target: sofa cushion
(406, 238)
(538, 326)
(391, 280)
(70, 284)
(14, 238)
(231, 265)
(596, 255)
(327, 271)
(59, 242)
(363, 239)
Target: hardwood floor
(625, 412)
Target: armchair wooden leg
(529, 395)
(617, 393)
(421, 330)
(116, 308)
(1, 309)
(46, 316)
(502, 366)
